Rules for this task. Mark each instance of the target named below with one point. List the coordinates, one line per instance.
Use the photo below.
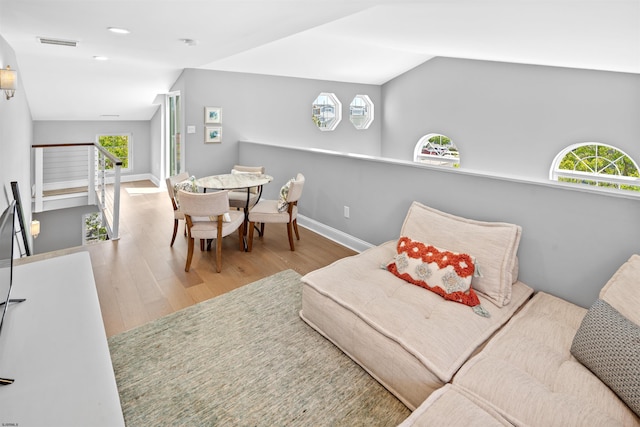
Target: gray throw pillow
(609, 345)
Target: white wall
(507, 118)
(266, 108)
(16, 135)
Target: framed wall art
(213, 134)
(212, 115)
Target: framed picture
(212, 115)
(213, 134)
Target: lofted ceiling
(362, 41)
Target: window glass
(361, 112)
(326, 111)
(94, 229)
(436, 149)
(596, 164)
(119, 146)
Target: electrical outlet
(346, 211)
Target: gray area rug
(245, 358)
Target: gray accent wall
(61, 228)
(73, 132)
(510, 119)
(270, 109)
(572, 241)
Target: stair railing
(98, 174)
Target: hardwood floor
(140, 278)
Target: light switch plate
(191, 129)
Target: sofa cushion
(494, 244)
(450, 406)
(412, 341)
(527, 371)
(446, 273)
(622, 291)
(609, 345)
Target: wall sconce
(35, 228)
(8, 81)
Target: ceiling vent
(58, 42)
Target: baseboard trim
(331, 233)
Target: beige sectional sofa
(453, 366)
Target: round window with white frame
(361, 112)
(436, 149)
(596, 164)
(326, 111)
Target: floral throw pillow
(188, 185)
(283, 205)
(448, 274)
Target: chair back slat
(252, 169)
(204, 204)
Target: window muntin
(596, 164)
(326, 111)
(436, 149)
(120, 146)
(361, 112)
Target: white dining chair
(238, 198)
(284, 211)
(177, 213)
(205, 215)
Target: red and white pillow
(448, 274)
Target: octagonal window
(326, 111)
(361, 112)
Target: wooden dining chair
(177, 213)
(205, 215)
(238, 198)
(278, 211)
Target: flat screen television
(7, 241)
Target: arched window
(436, 149)
(593, 163)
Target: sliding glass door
(175, 149)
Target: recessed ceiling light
(189, 42)
(100, 58)
(118, 30)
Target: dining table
(236, 181)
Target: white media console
(55, 347)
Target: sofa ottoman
(410, 339)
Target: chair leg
(175, 231)
(250, 237)
(189, 255)
(219, 254)
(262, 229)
(202, 245)
(290, 234)
(295, 227)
